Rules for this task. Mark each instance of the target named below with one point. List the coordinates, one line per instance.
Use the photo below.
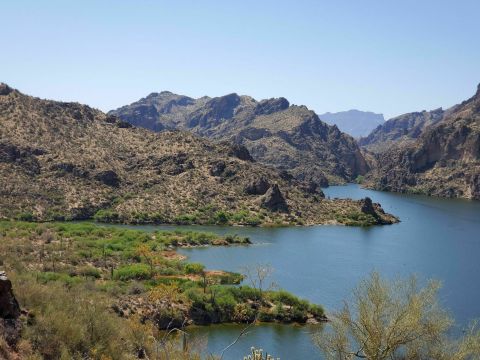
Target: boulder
(257, 186)
(217, 168)
(273, 200)
(240, 152)
(9, 308)
(367, 207)
(10, 325)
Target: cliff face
(443, 161)
(68, 161)
(404, 128)
(290, 138)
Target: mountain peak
(5, 89)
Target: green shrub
(220, 217)
(107, 216)
(360, 179)
(26, 216)
(194, 268)
(89, 271)
(185, 219)
(133, 272)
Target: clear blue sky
(385, 56)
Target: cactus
(257, 354)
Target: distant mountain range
(68, 161)
(354, 122)
(289, 137)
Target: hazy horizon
(330, 57)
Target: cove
(436, 238)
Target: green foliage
(107, 216)
(133, 272)
(360, 179)
(356, 218)
(194, 268)
(106, 264)
(26, 216)
(89, 271)
(221, 217)
(185, 219)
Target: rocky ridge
(61, 161)
(401, 129)
(288, 137)
(444, 160)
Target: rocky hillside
(355, 123)
(401, 129)
(69, 161)
(443, 161)
(288, 137)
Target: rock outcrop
(274, 200)
(257, 186)
(444, 160)
(287, 137)
(401, 129)
(10, 325)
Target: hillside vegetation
(97, 292)
(64, 161)
(288, 137)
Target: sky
(385, 56)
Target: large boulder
(367, 207)
(273, 200)
(10, 325)
(240, 152)
(258, 186)
(9, 308)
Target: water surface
(437, 238)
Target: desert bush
(396, 320)
(133, 272)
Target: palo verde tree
(396, 320)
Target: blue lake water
(436, 238)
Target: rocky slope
(288, 137)
(355, 123)
(404, 128)
(444, 160)
(69, 161)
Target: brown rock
(274, 200)
(10, 325)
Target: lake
(436, 238)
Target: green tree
(395, 320)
